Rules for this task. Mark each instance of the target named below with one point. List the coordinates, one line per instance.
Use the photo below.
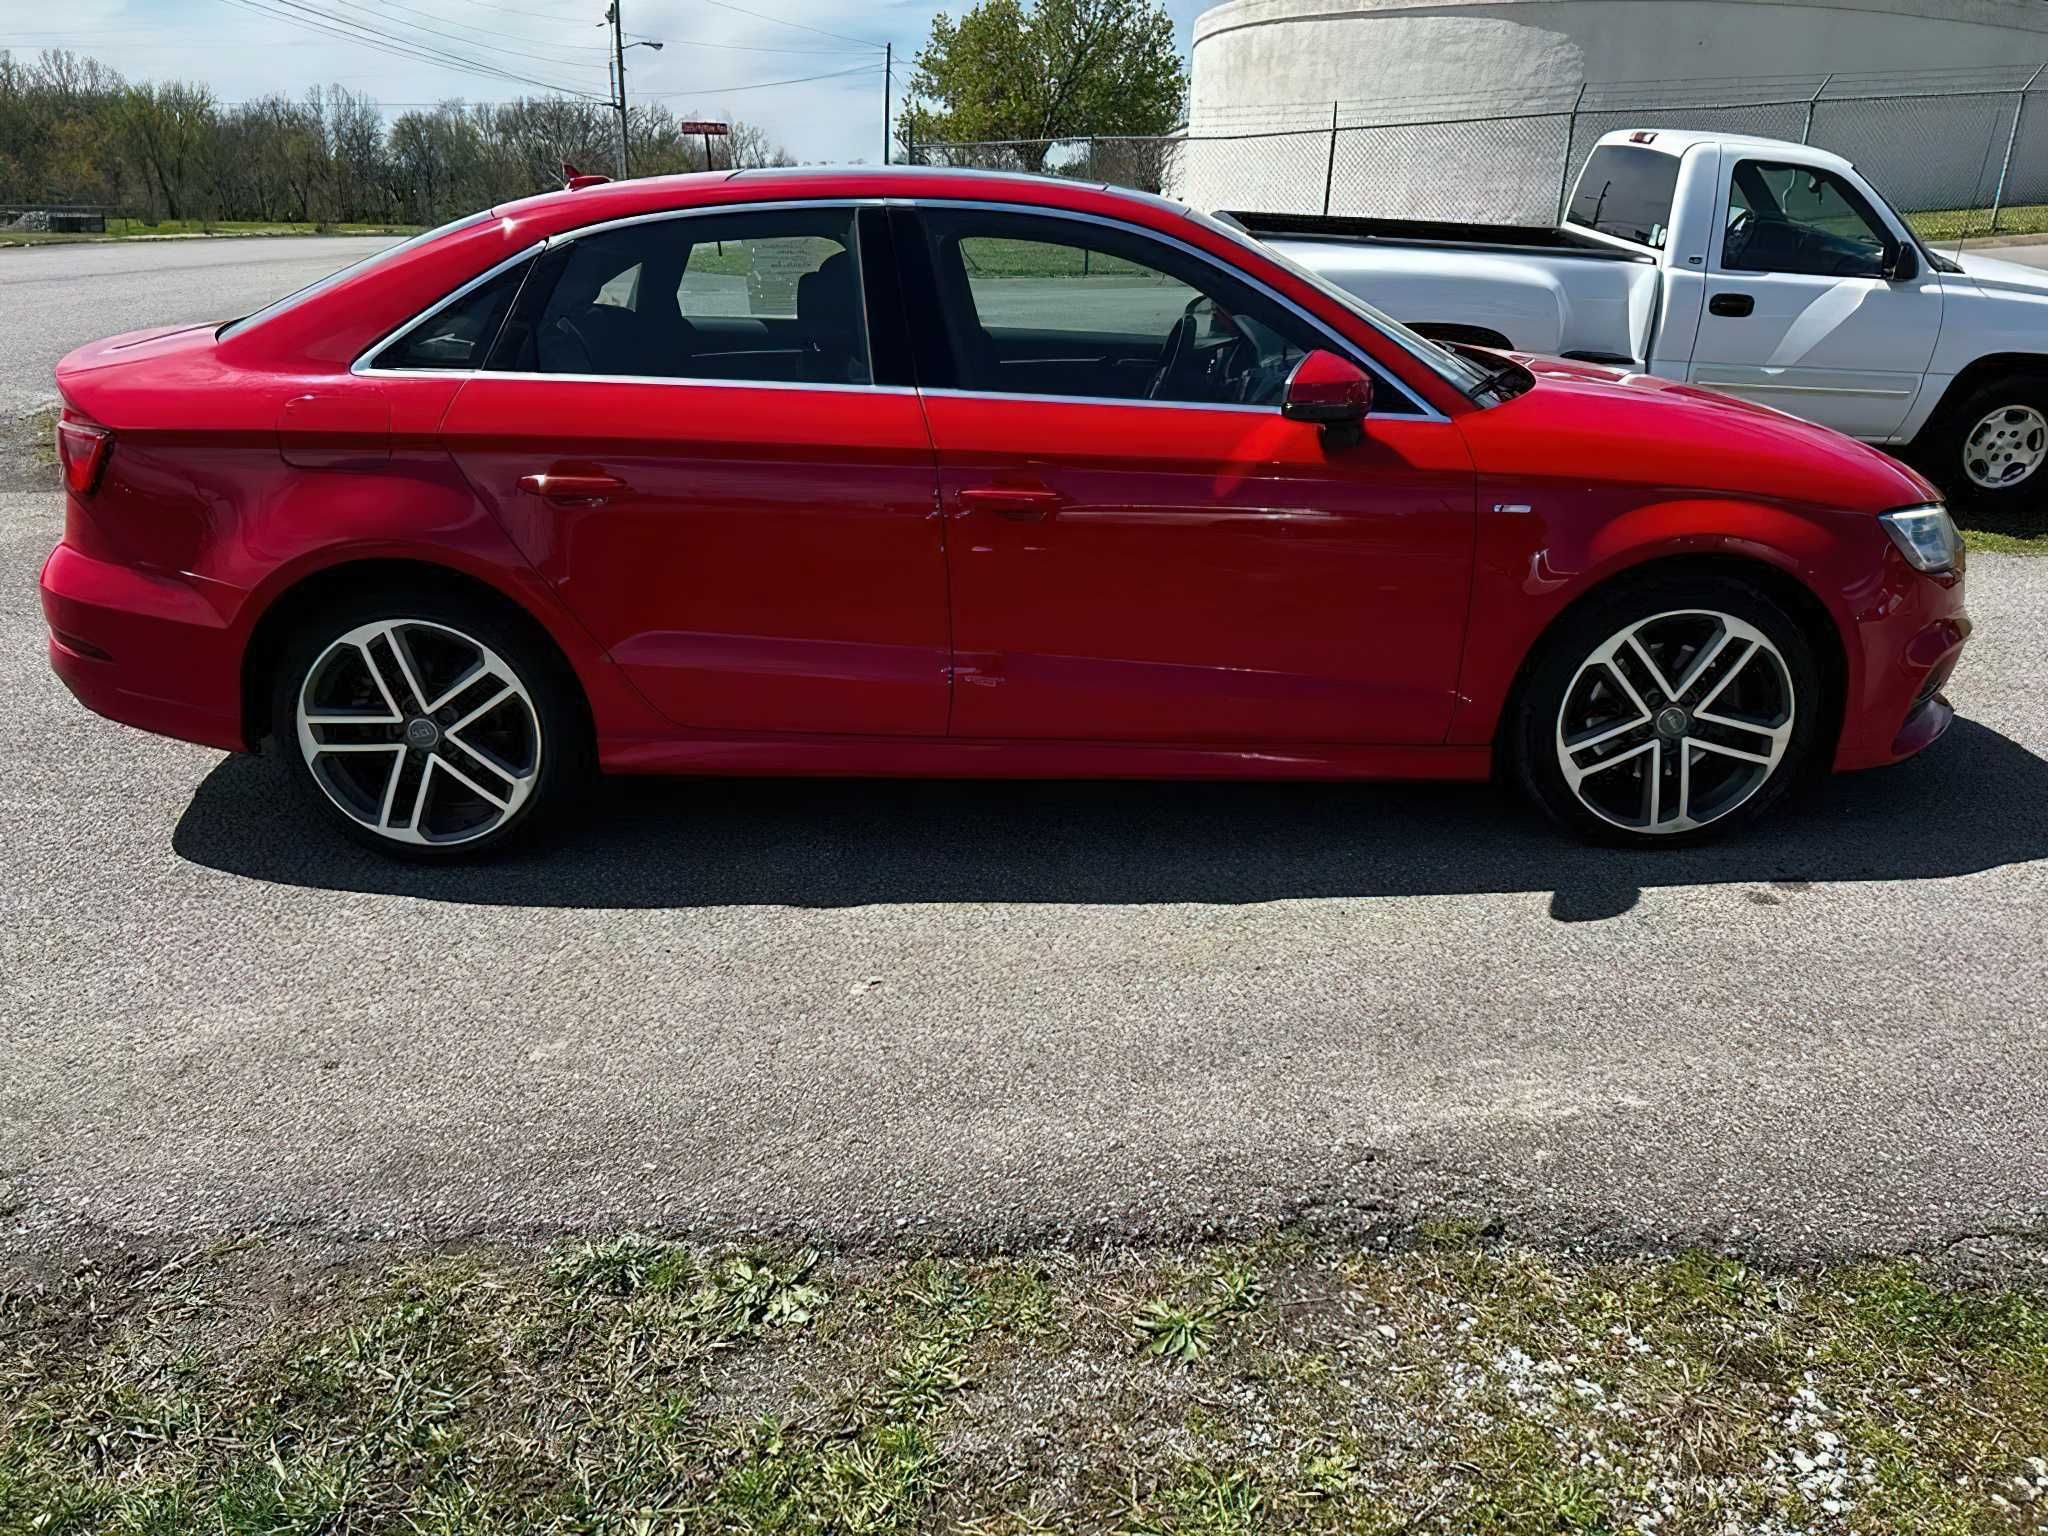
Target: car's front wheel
(425, 725)
(1668, 712)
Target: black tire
(536, 784)
(1947, 453)
(1561, 674)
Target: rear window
(1626, 192)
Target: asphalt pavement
(988, 1014)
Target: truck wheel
(1992, 450)
(1669, 711)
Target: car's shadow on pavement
(1975, 801)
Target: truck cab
(1760, 268)
(1786, 279)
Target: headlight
(1925, 536)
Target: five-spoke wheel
(1675, 721)
(419, 732)
(430, 726)
(1667, 708)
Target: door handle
(1019, 504)
(572, 485)
(1735, 306)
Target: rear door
(1142, 549)
(700, 429)
(1800, 311)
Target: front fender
(1529, 569)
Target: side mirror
(1901, 263)
(1327, 391)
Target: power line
(355, 5)
(816, 53)
(489, 32)
(782, 21)
(500, 10)
(398, 47)
(762, 85)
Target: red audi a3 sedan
(901, 472)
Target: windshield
(375, 258)
(1461, 373)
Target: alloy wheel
(1675, 722)
(2006, 447)
(419, 732)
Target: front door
(1142, 548)
(681, 427)
(1800, 313)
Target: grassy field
(632, 1386)
(136, 229)
(1956, 223)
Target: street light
(619, 47)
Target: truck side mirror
(1901, 263)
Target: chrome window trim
(368, 359)
(1156, 405)
(644, 378)
(1425, 411)
(365, 363)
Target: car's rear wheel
(425, 725)
(1992, 448)
(1669, 712)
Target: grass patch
(1940, 226)
(632, 1385)
(120, 228)
(2003, 533)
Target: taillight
(82, 448)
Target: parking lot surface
(985, 1014)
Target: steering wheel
(1181, 361)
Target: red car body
(915, 581)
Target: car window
(1046, 306)
(1794, 218)
(770, 296)
(459, 334)
(1627, 191)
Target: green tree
(1055, 69)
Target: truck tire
(1991, 448)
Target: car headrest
(828, 302)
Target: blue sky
(711, 51)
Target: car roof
(1676, 141)
(603, 202)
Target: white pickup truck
(1756, 267)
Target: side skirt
(906, 757)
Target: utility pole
(619, 67)
(888, 64)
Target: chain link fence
(1960, 148)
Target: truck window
(1627, 193)
(1794, 218)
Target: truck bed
(1539, 239)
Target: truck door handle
(1735, 306)
(572, 485)
(1022, 505)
